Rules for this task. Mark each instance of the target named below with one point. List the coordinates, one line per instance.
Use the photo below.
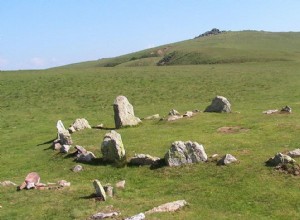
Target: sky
(39, 34)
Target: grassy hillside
(227, 47)
(33, 101)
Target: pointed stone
(99, 190)
(219, 104)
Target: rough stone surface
(112, 147)
(185, 153)
(31, 180)
(143, 159)
(80, 149)
(85, 157)
(188, 114)
(79, 124)
(294, 153)
(102, 215)
(174, 117)
(65, 137)
(109, 190)
(286, 109)
(7, 183)
(65, 148)
(124, 113)
(77, 168)
(227, 159)
(168, 207)
(121, 184)
(152, 117)
(270, 111)
(280, 158)
(63, 183)
(139, 216)
(99, 190)
(219, 104)
(56, 145)
(173, 112)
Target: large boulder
(123, 113)
(85, 157)
(185, 153)
(112, 147)
(219, 104)
(79, 124)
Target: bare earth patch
(231, 130)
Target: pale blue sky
(37, 34)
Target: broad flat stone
(143, 159)
(85, 157)
(139, 216)
(168, 207)
(227, 159)
(102, 215)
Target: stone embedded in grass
(124, 113)
(173, 112)
(102, 215)
(294, 153)
(7, 183)
(168, 207)
(270, 111)
(280, 158)
(100, 192)
(112, 147)
(121, 184)
(286, 109)
(79, 124)
(65, 148)
(80, 149)
(77, 168)
(174, 117)
(185, 153)
(139, 216)
(227, 159)
(219, 104)
(143, 159)
(152, 117)
(85, 157)
(63, 183)
(188, 114)
(31, 180)
(109, 190)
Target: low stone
(79, 124)
(31, 180)
(112, 147)
(152, 117)
(227, 159)
(168, 207)
(99, 190)
(143, 159)
(80, 149)
(109, 190)
(121, 184)
(174, 117)
(99, 126)
(77, 168)
(85, 157)
(294, 153)
(173, 112)
(280, 158)
(7, 183)
(286, 109)
(185, 153)
(56, 145)
(102, 215)
(63, 183)
(140, 216)
(65, 148)
(219, 104)
(188, 114)
(271, 111)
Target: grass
(33, 101)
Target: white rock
(168, 207)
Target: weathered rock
(77, 168)
(280, 158)
(173, 112)
(219, 104)
(109, 190)
(60, 126)
(188, 114)
(85, 157)
(286, 109)
(31, 180)
(63, 183)
(7, 183)
(65, 148)
(140, 216)
(121, 184)
(168, 207)
(124, 113)
(79, 124)
(152, 117)
(102, 215)
(227, 159)
(185, 153)
(80, 149)
(56, 145)
(294, 153)
(65, 137)
(270, 111)
(174, 117)
(99, 190)
(112, 147)
(143, 159)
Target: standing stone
(112, 147)
(123, 113)
(185, 153)
(65, 137)
(219, 104)
(65, 148)
(227, 159)
(60, 126)
(109, 190)
(99, 189)
(79, 124)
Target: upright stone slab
(219, 104)
(124, 114)
(185, 153)
(112, 147)
(99, 189)
(64, 135)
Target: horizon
(40, 34)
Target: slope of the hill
(227, 47)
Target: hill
(224, 47)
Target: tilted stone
(79, 124)
(99, 189)
(219, 104)
(124, 113)
(168, 207)
(80, 149)
(65, 148)
(185, 153)
(143, 159)
(112, 147)
(31, 180)
(60, 126)
(227, 159)
(85, 157)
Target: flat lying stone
(152, 117)
(227, 159)
(121, 184)
(168, 207)
(140, 216)
(102, 215)
(143, 159)
(270, 111)
(280, 158)
(7, 183)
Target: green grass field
(33, 101)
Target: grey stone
(63, 183)
(65, 137)
(109, 190)
(99, 190)
(143, 159)
(174, 117)
(168, 207)
(56, 145)
(227, 159)
(77, 168)
(139, 216)
(280, 158)
(173, 112)
(79, 124)
(112, 147)
(60, 126)
(80, 149)
(65, 148)
(294, 153)
(121, 184)
(102, 215)
(124, 113)
(185, 153)
(270, 111)
(152, 117)
(85, 157)
(219, 104)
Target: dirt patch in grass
(231, 130)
